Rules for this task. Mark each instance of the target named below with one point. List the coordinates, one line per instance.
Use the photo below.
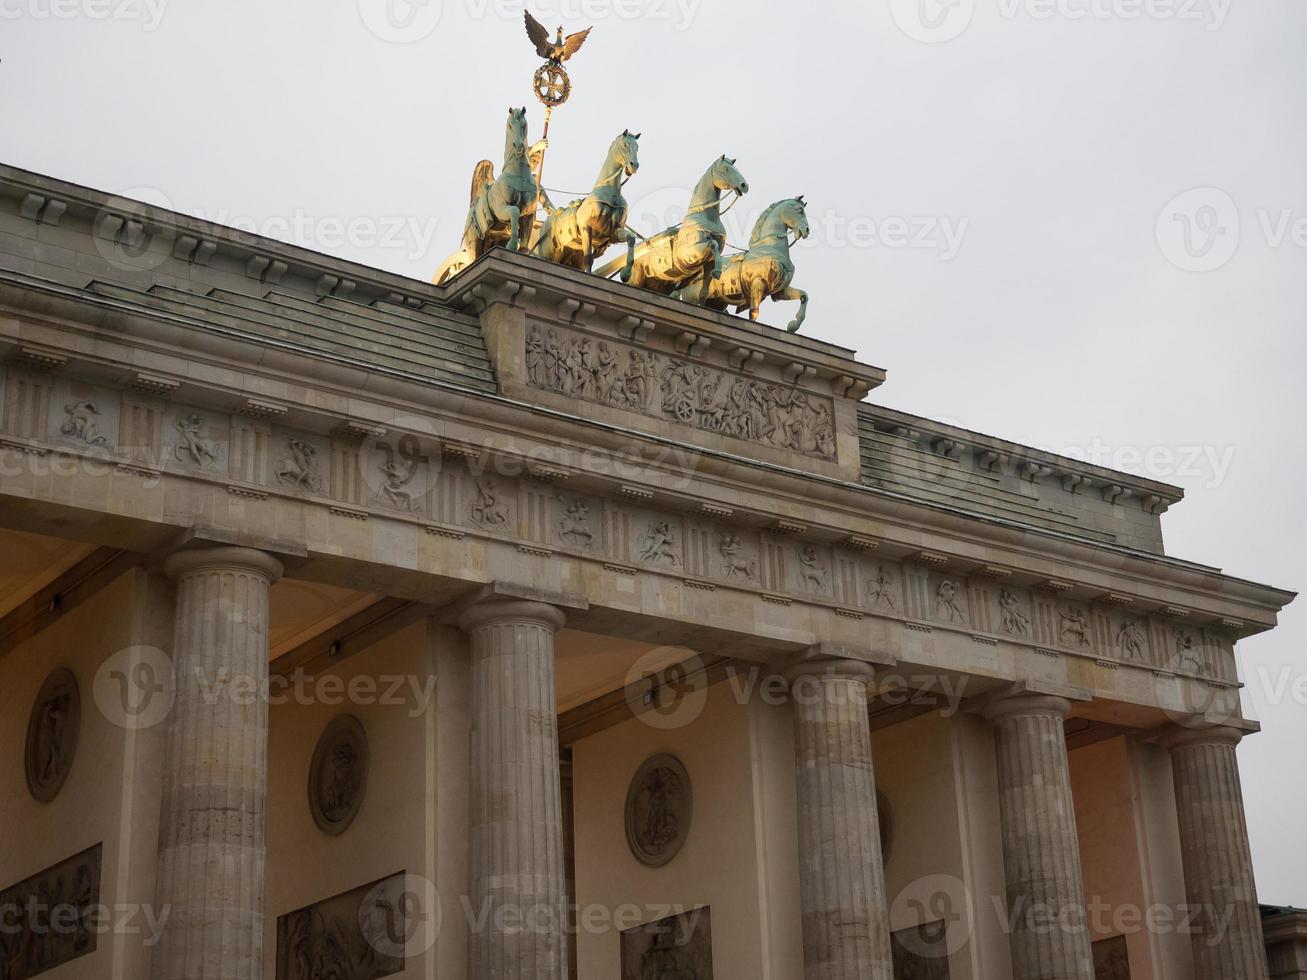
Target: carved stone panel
(52, 735)
(678, 947)
(358, 934)
(1111, 959)
(338, 775)
(659, 808)
(300, 463)
(672, 388)
(397, 473)
(196, 440)
(921, 952)
(84, 417)
(51, 917)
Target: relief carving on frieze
(921, 952)
(52, 917)
(671, 388)
(1111, 959)
(678, 947)
(361, 934)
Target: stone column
(842, 872)
(212, 842)
(517, 875)
(1041, 854)
(1218, 870)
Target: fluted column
(1218, 870)
(1041, 855)
(517, 874)
(842, 872)
(212, 842)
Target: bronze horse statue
(502, 209)
(673, 258)
(577, 234)
(764, 271)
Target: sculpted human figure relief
(946, 602)
(733, 564)
(1130, 639)
(193, 445)
(398, 469)
(763, 272)
(881, 588)
(1074, 628)
(81, 423)
(487, 509)
(1014, 621)
(811, 572)
(573, 526)
(1186, 652)
(658, 544)
(300, 468)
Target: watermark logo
(666, 688)
(135, 688)
(400, 916)
(148, 13)
(401, 21)
(932, 21)
(1198, 230)
(937, 901)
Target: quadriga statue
(763, 272)
(502, 209)
(580, 232)
(672, 259)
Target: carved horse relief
(764, 271)
(577, 234)
(673, 258)
(502, 209)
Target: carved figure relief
(733, 563)
(338, 774)
(574, 525)
(881, 589)
(1014, 621)
(1187, 654)
(946, 602)
(921, 952)
(398, 469)
(488, 509)
(49, 917)
(678, 947)
(357, 935)
(1111, 959)
(658, 544)
(811, 572)
(52, 735)
(692, 394)
(1130, 639)
(1074, 627)
(659, 807)
(193, 445)
(300, 467)
(81, 424)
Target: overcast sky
(1081, 224)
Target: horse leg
(790, 293)
(630, 255)
(514, 227)
(586, 237)
(757, 293)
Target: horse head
(515, 133)
(625, 152)
(726, 178)
(795, 215)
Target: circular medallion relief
(338, 774)
(659, 807)
(52, 735)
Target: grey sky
(1033, 288)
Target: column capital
(187, 560)
(1025, 705)
(1181, 736)
(493, 611)
(835, 668)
